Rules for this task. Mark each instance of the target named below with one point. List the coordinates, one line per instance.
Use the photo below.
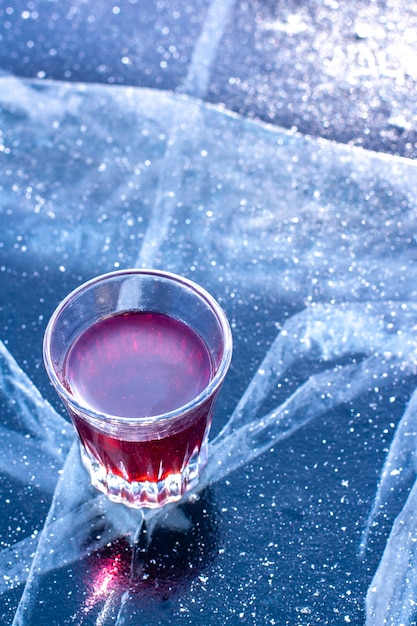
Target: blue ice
(78, 514)
(135, 177)
(392, 593)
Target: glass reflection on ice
(141, 580)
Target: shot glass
(138, 358)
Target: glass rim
(170, 416)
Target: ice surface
(391, 596)
(29, 427)
(345, 71)
(310, 249)
(35, 442)
(380, 338)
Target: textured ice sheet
(29, 425)
(88, 167)
(309, 247)
(391, 596)
(346, 71)
(35, 442)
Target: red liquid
(138, 365)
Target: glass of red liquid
(138, 358)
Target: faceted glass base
(148, 493)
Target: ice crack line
(183, 129)
(197, 80)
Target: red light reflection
(107, 581)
